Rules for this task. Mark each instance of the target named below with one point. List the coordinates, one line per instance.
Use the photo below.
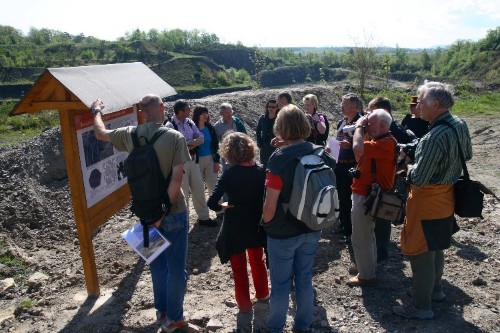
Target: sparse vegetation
(197, 61)
(27, 304)
(23, 127)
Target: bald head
(152, 107)
(379, 121)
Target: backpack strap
(157, 134)
(319, 151)
(461, 154)
(135, 138)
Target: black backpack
(150, 201)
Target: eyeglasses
(272, 107)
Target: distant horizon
(276, 24)
(25, 34)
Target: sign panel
(101, 164)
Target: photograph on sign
(101, 164)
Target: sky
(268, 23)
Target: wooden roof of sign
(72, 88)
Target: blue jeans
(168, 270)
(291, 257)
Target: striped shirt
(437, 160)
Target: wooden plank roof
(74, 88)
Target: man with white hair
(430, 219)
(378, 152)
(227, 122)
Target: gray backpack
(314, 198)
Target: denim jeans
(291, 257)
(168, 270)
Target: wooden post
(79, 201)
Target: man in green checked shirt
(430, 218)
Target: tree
(223, 79)
(258, 59)
(386, 66)
(400, 60)
(492, 41)
(425, 60)
(10, 36)
(207, 78)
(362, 60)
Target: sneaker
(207, 223)
(345, 239)
(436, 296)
(161, 316)
(411, 312)
(170, 326)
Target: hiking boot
(436, 296)
(411, 312)
(207, 223)
(353, 270)
(170, 326)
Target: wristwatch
(95, 111)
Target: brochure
(135, 238)
(334, 146)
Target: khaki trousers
(363, 238)
(193, 183)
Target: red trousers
(240, 275)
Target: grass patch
(27, 304)
(466, 104)
(14, 267)
(16, 129)
(486, 104)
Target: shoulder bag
(469, 194)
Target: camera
(410, 148)
(354, 173)
(348, 129)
